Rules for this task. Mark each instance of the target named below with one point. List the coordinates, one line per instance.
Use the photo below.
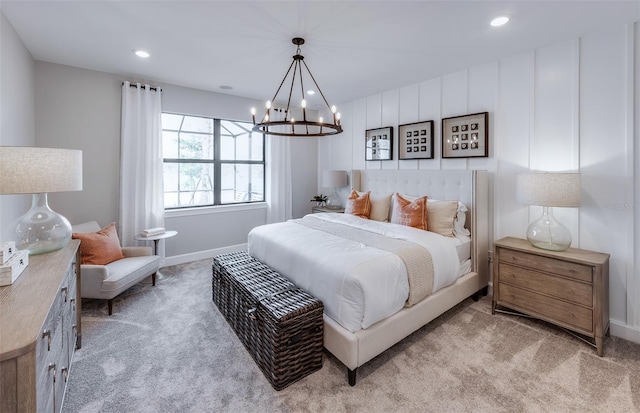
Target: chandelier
(290, 126)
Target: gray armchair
(108, 281)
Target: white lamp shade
(31, 170)
(551, 189)
(334, 179)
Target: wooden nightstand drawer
(551, 265)
(562, 288)
(548, 308)
(569, 288)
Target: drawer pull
(52, 366)
(47, 334)
(64, 290)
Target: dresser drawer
(546, 264)
(574, 316)
(562, 288)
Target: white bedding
(359, 285)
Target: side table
(569, 289)
(156, 238)
(317, 210)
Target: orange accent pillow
(359, 205)
(99, 248)
(410, 213)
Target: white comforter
(359, 285)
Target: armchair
(108, 281)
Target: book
(11, 270)
(152, 231)
(6, 251)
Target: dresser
(568, 288)
(39, 331)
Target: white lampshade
(334, 179)
(549, 189)
(37, 171)
(554, 189)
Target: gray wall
(50, 105)
(17, 110)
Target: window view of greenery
(210, 162)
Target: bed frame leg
(482, 292)
(352, 376)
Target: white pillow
(380, 204)
(459, 220)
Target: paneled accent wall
(570, 106)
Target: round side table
(156, 238)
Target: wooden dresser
(568, 288)
(39, 326)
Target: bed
(309, 257)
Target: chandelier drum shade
(549, 190)
(290, 126)
(37, 171)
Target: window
(211, 162)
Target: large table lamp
(37, 171)
(334, 180)
(549, 189)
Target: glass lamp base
(40, 230)
(547, 233)
(334, 201)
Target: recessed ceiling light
(225, 87)
(141, 53)
(499, 21)
(311, 92)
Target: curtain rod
(155, 89)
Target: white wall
(568, 106)
(17, 110)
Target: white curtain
(141, 187)
(278, 194)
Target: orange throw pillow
(99, 248)
(359, 205)
(412, 214)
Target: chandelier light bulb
(333, 109)
(303, 103)
(268, 104)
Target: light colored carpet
(168, 349)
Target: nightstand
(569, 288)
(318, 210)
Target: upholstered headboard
(469, 187)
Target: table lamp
(334, 180)
(37, 171)
(549, 189)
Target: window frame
(217, 163)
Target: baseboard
(202, 255)
(624, 331)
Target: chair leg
(153, 279)
(110, 306)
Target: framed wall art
(415, 140)
(466, 136)
(379, 144)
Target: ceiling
(353, 48)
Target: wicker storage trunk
(279, 324)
